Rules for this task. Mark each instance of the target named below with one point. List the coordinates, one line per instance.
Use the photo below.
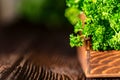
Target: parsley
(102, 23)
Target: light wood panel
(100, 63)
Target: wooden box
(98, 64)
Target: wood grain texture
(100, 63)
(107, 62)
(7, 61)
(29, 69)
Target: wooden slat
(83, 58)
(102, 64)
(108, 63)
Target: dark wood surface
(34, 53)
(40, 49)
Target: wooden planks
(29, 69)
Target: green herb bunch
(102, 23)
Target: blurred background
(38, 28)
(46, 12)
(41, 18)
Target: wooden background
(36, 53)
